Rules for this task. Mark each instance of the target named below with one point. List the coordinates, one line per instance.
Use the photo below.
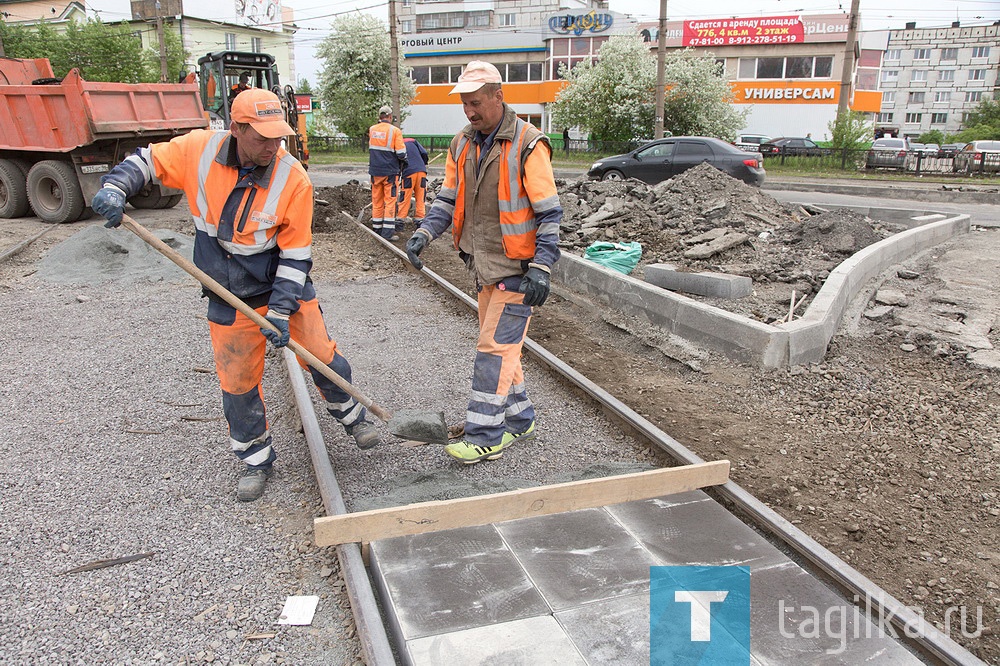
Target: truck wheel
(153, 197)
(54, 192)
(13, 191)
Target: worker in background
(386, 160)
(499, 196)
(257, 244)
(414, 183)
(244, 84)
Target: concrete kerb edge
(741, 338)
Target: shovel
(412, 425)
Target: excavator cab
(220, 75)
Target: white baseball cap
(477, 74)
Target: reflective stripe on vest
(264, 238)
(517, 217)
(389, 138)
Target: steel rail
(371, 632)
(18, 247)
(910, 624)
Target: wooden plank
(365, 526)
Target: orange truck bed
(60, 117)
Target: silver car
(888, 153)
(978, 157)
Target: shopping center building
(785, 70)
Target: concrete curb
(741, 338)
(937, 194)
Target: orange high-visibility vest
(517, 218)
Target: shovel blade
(419, 426)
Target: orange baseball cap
(477, 73)
(261, 109)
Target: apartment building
(931, 78)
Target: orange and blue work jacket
(506, 193)
(386, 153)
(253, 226)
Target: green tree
(105, 52)
(38, 41)
(176, 57)
(355, 78)
(303, 88)
(981, 123)
(933, 136)
(615, 98)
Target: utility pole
(394, 64)
(661, 56)
(163, 44)
(847, 76)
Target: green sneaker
(473, 453)
(511, 437)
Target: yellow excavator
(220, 71)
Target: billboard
(754, 30)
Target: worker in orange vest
(414, 183)
(386, 160)
(244, 84)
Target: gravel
(115, 445)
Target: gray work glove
(109, 202)
(280, 337)
(414, 247)
(535, 286)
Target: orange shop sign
(786, 92)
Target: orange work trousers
(414, 185)
(384, 195)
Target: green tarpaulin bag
(622, 257)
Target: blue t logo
(699, 615)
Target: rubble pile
(705, 220)
(700, 220)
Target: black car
(662, 159)
(788, 145)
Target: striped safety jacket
(513, 199)
(253, 232)
(386, 153)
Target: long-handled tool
(410, 424)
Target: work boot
(470, 454)
(511, 437)
(365, 434)
(389, 235)
(251, 486)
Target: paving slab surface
(574, 588)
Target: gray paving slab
(452, 580)
(536, 641)
(578, 557)
(615, 631)
(685, 529)
(796, 619)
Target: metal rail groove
(911, 625)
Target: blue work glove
(535, 286)
(280, 337)
(414, 247)
(109, 202)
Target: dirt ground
(886, 453)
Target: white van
(750, 142)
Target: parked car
(665, 158)
(791, 146)
(889, 153)
(949, 149)
(750, 142)
(978, 157)
(931, 150)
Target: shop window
(747, 68)
(560, 47)
(535, 71)
(798, 68)
(439, 74)
(454, 71)
(580, 46)
(421, 75)
(517, 72)
(824, 66)
(770, 68)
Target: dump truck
(59, 136)
(219, 71)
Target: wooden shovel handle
(252, 314)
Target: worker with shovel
(500, 198)
(252, 204)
